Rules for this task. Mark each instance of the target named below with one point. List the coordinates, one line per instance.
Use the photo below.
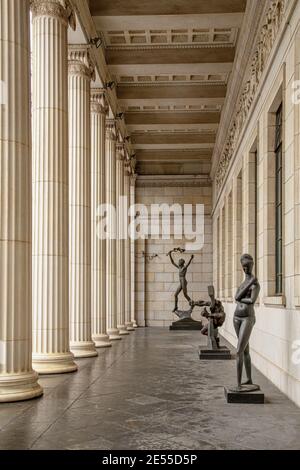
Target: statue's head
(247, 263)
(181, 262)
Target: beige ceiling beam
(165, 7)
(171, 91)
(150, 22)
(203, 155)
(170, 55)
(159, 117)
(173, 138)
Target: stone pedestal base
(134, 324)
(129, 326)
(186, 324)
(218, 354)
(256, 397)
(101, 341)
(54, 363)
(19, 387)
(113, 334)
(83, 349)
(123, 330)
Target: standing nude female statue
(182, 267)
(243, 321)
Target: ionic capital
(98, 101)
(61, 9)
(80, 62)
(110, 129)
(120, 151)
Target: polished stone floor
(149, 391)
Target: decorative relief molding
(61, 9)
(170, 46)
(110, 129)
(266, 40)
(80, 62)
(98, 101)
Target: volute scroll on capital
(98, 102)
(80, 62)
(61, 9)
(110, 129)
(120, 151)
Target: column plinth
(111, 261)
(98, 260)
(81, 71)
(17, 379)
(51, 353)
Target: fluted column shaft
(98, 256)
(127, 257)
(111, 261)
(80, 75)
(132, 244)
(120, 240)
(17, 379)
(51, 353)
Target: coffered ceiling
(171, 61)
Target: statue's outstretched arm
(192, 257)
(172, 261)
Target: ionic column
(120, 240)
(132, 249)
(98, 260)
(17, 379)
(81, 71)
(51, 353)
(111, 261)
(128, 321)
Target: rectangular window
(278, 200)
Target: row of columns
(65, 292)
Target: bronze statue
(243, 321)
(216, 317)
(182, 267)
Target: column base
(134, 324)
(18, 387)
(113, 334)
(83, 349)
(129, 326)
(122, 330)
(54, 363)
(101, 341)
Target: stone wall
(156, 278)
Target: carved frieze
(265, 43)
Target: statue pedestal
(218, 354)
(186, 324)
(256, 397)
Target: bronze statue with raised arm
(243, 321)
(182, 268)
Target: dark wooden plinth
(222, 353)
(257, 397)
(186, 324)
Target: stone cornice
(80, 62)
(266, 36)
(60, 9)
(98, 101)
(173, 180)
